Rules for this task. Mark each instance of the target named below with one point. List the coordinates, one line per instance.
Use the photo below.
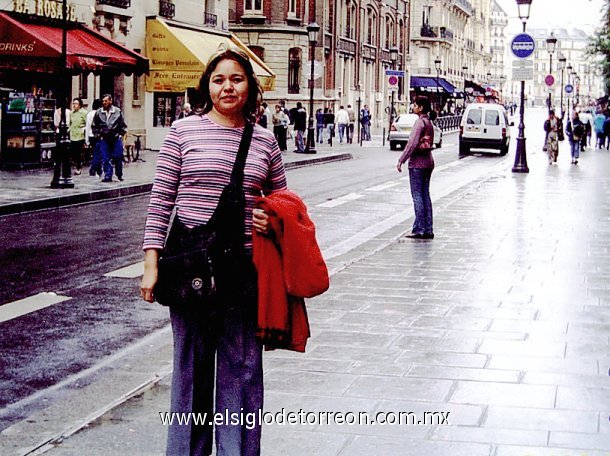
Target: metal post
(62, 148)
(561, 93)
(310, 147)
(520, 165)
(550, 72)
(359, 122)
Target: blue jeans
(239, 379)
(422, 204)
(112, 152)
(96, 160)
(341, 132)
(320, 133)
(299, 140)
(575, 149)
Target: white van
(484, 126)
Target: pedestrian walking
(352, 121)
(300, 125)
(598, 126)
(95, 169)
(552, 126)
(342, 123)
(607, 129)
(261, 117)
(109, 127)
(280, 125)
(365, 121)
(78, 122)
(418, 153)
(320, 126)
(217, 358)
(575, 131)
(329, 121)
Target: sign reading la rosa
(45, 8)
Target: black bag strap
(237, 175)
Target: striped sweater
(195, 164)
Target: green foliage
(599, 45)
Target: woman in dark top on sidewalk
(419, 155)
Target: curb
(57, 202)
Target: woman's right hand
(151, 273)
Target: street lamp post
(464, 70)
(393, 58)
(520, 165)
(562, 67)
(488, 85)
(62, 176)
(551, 42)
(577, 92)
(439, 101)
(312, 31)
(569, 68)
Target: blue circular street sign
(569, 88)
(523, 45)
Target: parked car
(484, 126)
(401, 130)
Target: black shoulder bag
(202, 263)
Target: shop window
(294, 70)
(253, 7)
(259, 51)
(167, 108)
(83, 86)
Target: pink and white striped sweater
(195, 164)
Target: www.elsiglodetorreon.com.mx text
(304, 418)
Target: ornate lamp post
(562, 67)
(393, 58)
(464, 70)
(312, 31)
(439, 101)
(551, 42)
(520, 165)
(569, 68)
(62, 176)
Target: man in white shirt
(342, 119)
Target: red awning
(37, 47)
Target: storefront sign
(45, 8)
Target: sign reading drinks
(46, 8)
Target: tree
(600, 44)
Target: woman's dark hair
(97, 104)
(423, 103)
(255, 93)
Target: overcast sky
(584, 14)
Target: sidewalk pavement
(28, 190)
(502, 322)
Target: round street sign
(569, 88)
(523, 45)
(549, 80)
(392, 80)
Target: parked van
(484, 126)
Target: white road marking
(30, 304)
(381, 187)
(128, 272)
(341, 200)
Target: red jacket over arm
(290, 267)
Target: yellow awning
(178, 56)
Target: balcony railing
(433, 33)
(115, 3)
(368, 51)
(346, 45)
(465, 6)
(210, 19)
(167, 9)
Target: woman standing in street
(419, 155)
(194, 166)
(575, 130)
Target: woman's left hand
(260, 221)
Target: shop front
(33, 73)
(178, 54)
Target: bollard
(383, 138)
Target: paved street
(502, 321)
